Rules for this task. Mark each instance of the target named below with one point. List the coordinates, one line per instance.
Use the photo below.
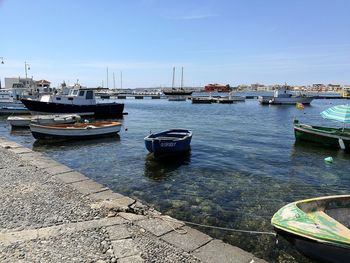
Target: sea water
(243, 166)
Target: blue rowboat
(169, 142)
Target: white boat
(26, 120)
(8, 98)
(75, 131)
(285, 96)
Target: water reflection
(158, 169)
(43, 145)
(305, 147)
(19, 130)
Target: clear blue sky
(216, 41)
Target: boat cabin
(282, 93)
(75, 96)
(346, 92)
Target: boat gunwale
(337, 133)
(80, 126)
(188, 135)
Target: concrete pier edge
(120, 210)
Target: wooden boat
(318, 227)
(169, 142)
(177, 91)
(25, 120)
(80, 100)
(75, 131)
(329, 137)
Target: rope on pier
(252, 232)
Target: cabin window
(70, 98)
(58, 98)
(81, 93)
(89, 95)
(75, 92)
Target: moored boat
(75, 131)
(202, 100)
(7, 110)
(318, 227)
(169, 142)
(286, 97)
(326, 136)
(177, 91)
(81, 101)
(9, 98)
(26, 120)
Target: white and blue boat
(169, 142)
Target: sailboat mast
(121, 79)
(173, 84)
(107, 77)
(182, 77)
(113, 81)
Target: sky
(298, 42)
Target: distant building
(43, 86)
(258, 87)
(217, 88)
(27, 86)
(22, 86)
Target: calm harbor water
(244, 165)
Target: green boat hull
(325, 136)
(318, 227)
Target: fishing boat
(169, 142)
(26, 120)
(286, 97)
(318, 227)
(75, 131)
(326, 136)
(79, 100)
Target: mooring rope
(169, 219)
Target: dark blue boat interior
(175, 133)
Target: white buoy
(328, 159)
(341, 144)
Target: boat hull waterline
(285, 101)
(75, 131)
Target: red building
(217, 88)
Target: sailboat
(177, 94)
